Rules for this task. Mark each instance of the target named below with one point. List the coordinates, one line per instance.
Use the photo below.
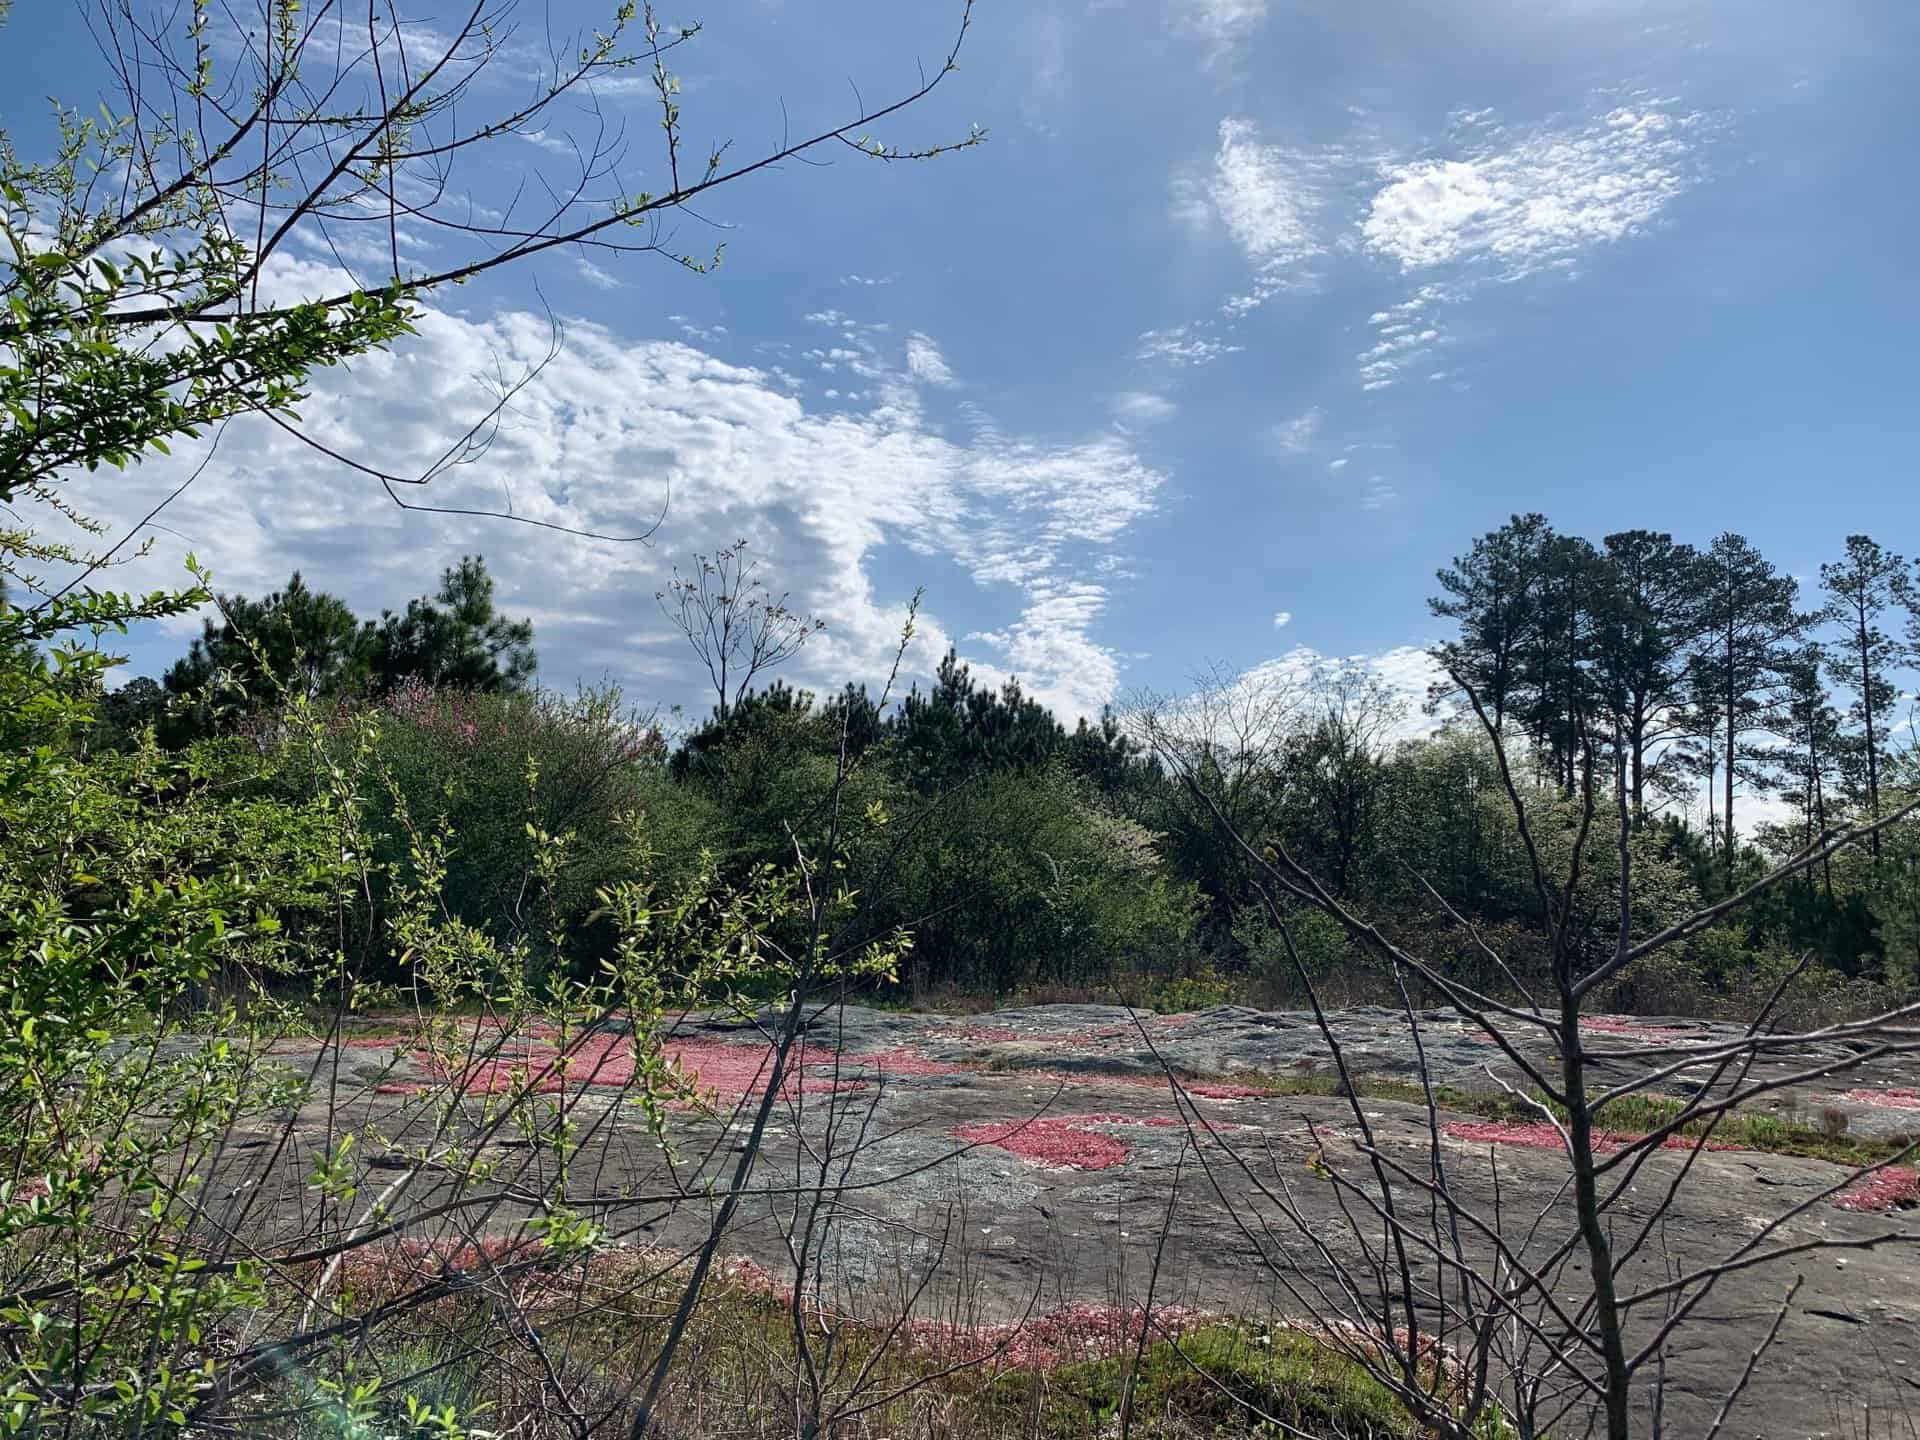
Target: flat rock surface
(1031, 1157)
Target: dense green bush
(1017, 879)
(507, 784)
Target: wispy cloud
(1270, 200)
(1223, 23)
(1185, 345)
(553, 144)
(1520, 205)
(1296, 435)
(1143, 407)
(600, 439)
(925, 362)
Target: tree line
(1697, 671)
(300, 641)
(1023, 851)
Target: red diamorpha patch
(1062, 1140)
(1895, 1099)
(392, 1268)
(737, 1072)
(1889, 1189)
(729, 1072)
(1538, 1135)
(1630, 1029)
(900, 1061)
(1208, 1090)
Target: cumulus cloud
(1538, 201)
(1282, 619)
(608, 433)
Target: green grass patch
(1223, 1380)
(1763, 1131)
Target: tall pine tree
(1861, 589)
(1651, 616)
(1750, 621)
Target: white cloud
(1282, 619)
(925, 362)
(607, 433)
(1262, 195)
(1340, 464)
(1296, 435)
(594, 275)
(1269, 198)
(1538, 201)
(1143, 406)
(1224, 23)
(1407, 671)
(1184, 345)
(1379, 494)
(706, 334)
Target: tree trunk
(1873, 756)
(1733, 722)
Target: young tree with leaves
(738, 628)
(148, 289)
(1342, 771)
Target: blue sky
(1246, 307)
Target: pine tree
(457, 638)
(1493, 593)
(297, 640)
(1651, 615)
(1860, 589)
(1560, 693)
(1749, 623)
(1813, 756)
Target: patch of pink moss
(1895, 1099)
(1064, 1141)
(723, 1071)
(1627, 1028)
(1539, 1135)
(1209, 1090)
(1891, 1189)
